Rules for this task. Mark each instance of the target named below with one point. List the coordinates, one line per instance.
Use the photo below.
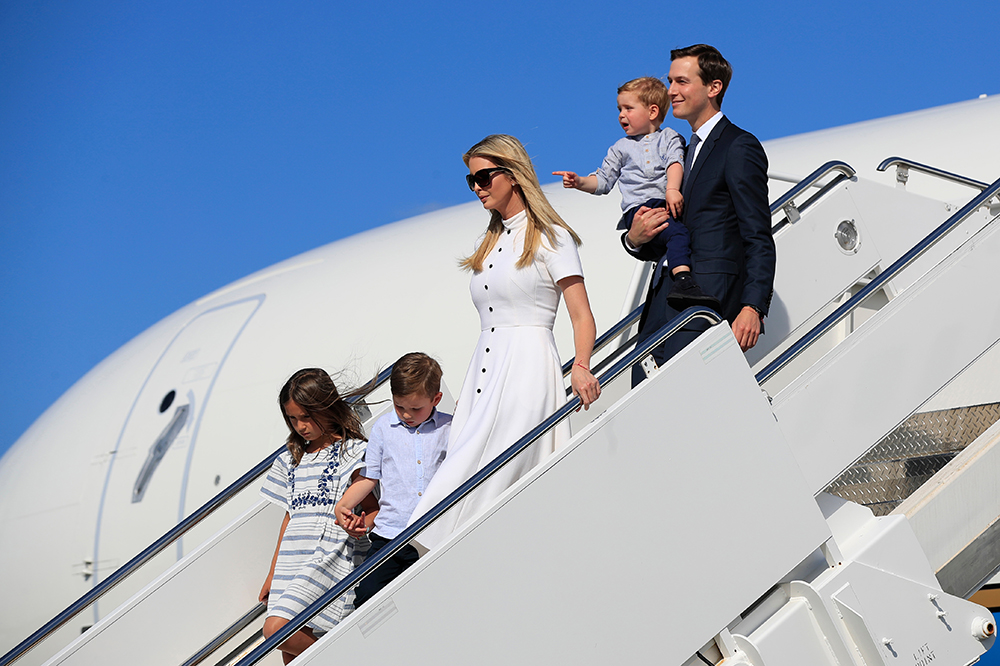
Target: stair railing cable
(904, 165)
(176, 532)
(982, 199)
(477, 479)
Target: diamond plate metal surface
(911, 454)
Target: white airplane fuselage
(202, 383)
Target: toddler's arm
(675, 202)
(585, 183)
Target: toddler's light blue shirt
(639, 165)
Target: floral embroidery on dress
(322, 494)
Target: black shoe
(686, 294)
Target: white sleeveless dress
(514, 380)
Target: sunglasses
(483, 177)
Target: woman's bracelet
(582, 366)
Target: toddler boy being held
(405, 449)
(648, 165)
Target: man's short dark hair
(711, 65)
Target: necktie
(689, 162)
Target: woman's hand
(585, 385)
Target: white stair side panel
(958, 505)
(904, 621)
(192, 602)
(811, 270)
(897, 220)
(647, 535)
(894, 362)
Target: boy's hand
(570, 179)
(675, 203)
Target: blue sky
(151, 152)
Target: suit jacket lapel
(706, 152)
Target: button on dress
(315, 553)
(514, 380)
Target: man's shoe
(686, 294)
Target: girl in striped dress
(326, 445)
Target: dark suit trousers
(386, 573)
(655, 314)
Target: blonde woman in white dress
(526, 261)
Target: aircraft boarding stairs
(705, 533)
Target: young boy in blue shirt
(648, 165)
(405, 449)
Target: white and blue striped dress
(315, 553)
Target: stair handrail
(785, 199)
(786, 202)
(226, 635)
(904, 165)
(395, 545)
(123, 572)
(168, 538)
(845, 170)
(237, 626)
(980, 200)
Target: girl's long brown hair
(507, 152)
(314, 391)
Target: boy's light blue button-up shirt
(403, 460)
(639, 165)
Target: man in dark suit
(725, 209)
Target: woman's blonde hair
(507, 152)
